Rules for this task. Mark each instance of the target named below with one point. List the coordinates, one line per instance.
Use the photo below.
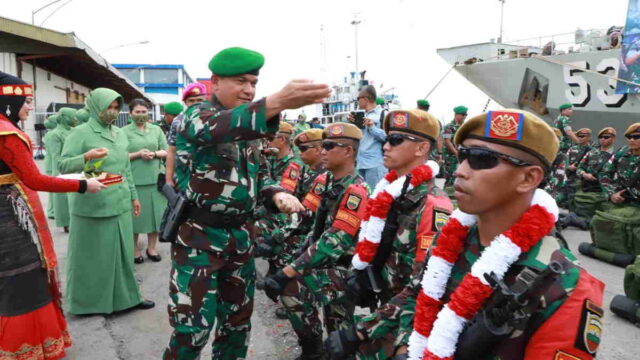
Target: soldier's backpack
(617, 230)
(632, 280)
(586, 203)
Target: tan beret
(515, 128)
(632, 128)
(342, 131)
(414, 122)
(608, 130)
(308, 136)
(285, 128)
(584, 131)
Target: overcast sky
(398, 38)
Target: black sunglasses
(606, 137)
(397, 139)
(481, 158)
(633, 136)
(582, 135)
(304, 148)
(329, 145)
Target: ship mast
(501, 19)
(355, 24)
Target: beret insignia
(504, 125)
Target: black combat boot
(312, 349)
(281, 313)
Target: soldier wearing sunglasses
(415, 217)
(503, 158)
(615, 233)
(590, 196)
(566, 196)
(316, 279)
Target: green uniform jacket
(593, 162)
(116, 199)
(563, 124)
(151, 138)
(619, 173)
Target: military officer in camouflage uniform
(555, 177)
(568, 188)
(171, 110)
(384, 334)
(309, 143)
(563, 123)
(213, 272)
(503, 159)
(615, 233)
(449, 152)
(590, 196)
(317, 277)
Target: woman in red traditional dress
(32, 326)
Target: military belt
(217, 220)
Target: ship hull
(541, 85)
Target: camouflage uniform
(563, 123)
(390, 325)
(450, 160)
(590, 197)
(213, 271)
(323, 265)
(556, 176)
(616, 230)
(285, 172)
(565, 289)
(574, 155)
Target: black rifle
(507, 310)
(594, 186)
(366, 287)
(330, 193)
(173, 215)
(580, 157)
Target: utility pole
(501, 19)
(355, 23)
(34, 12)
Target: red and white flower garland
(437, 326)
(386, 191)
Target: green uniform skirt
(100, 277)
(152, 205)
(61, 209)
(50, 209)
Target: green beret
(462, 110)
(565, 106)
(423, 102)
(173, 108)
(379, 101)
(236, 61)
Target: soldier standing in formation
(66, 122)
(500, 232)
(615, 233)
(396, 250)
(317, 278)
(213, 271)
(566, 195)
(50, 124)
(450, 152)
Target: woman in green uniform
(147, 145)
(100, 277)
(66, 121)
(50, 124)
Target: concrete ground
(143, 334)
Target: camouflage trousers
(279, 229)
(567, 192)
(450, 167)
(304, 296)
(210, 292)
(388, 329)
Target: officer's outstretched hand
(274, 285)
(287, 203)
(342, 343)
(297, 93)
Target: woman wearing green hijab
(147, 145)
(82, 115)
(49, 124)
(100, 277)
(66, 122)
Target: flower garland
(437, 326)
(386, 191)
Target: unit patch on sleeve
(590, 329)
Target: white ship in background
(579, 68)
